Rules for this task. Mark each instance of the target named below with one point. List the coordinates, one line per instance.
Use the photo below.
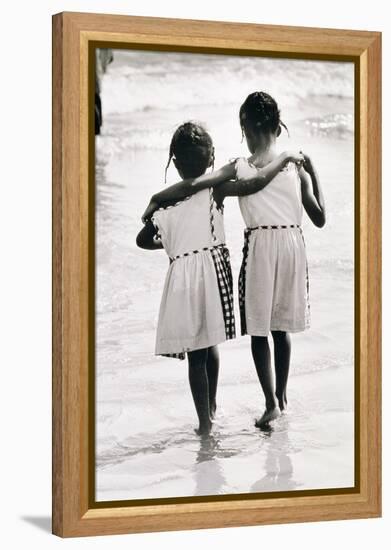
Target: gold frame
(74, 511)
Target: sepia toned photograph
(224, 357)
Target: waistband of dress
(205, 248)
(248, 230)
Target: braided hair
(260, 112)
(192, 148)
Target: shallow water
(146, 446)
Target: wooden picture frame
(74, 512)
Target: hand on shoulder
(297, 157)
(152, 206)
(307, 164)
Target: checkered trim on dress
(242, 273)
(211, 214)
(221, 260)
(153, 219)
(185, 254)
(242, 283)
(307, 297)
(155, 225)
(249, 229)
(181, 356)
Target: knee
(258, 342)
(280, 337)
(213, 353)
(197, 359)
(255, 339)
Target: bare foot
(204, 430)
(282, 403)
(212, 409)
(267, 417)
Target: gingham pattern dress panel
(308, 307)
(242, 284)
(222, 264)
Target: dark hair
(192, 147)
(260, 112)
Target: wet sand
(310, 447)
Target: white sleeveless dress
(273, 281)
(196, 309)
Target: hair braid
(260, 112)
(192, 148)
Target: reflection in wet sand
(276, 469)
(208, 472)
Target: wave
(337, 125)
(323, 364)
(148, 81)
(332, 265)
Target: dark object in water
(98, 114)
(102, 58)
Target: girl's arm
(257, 179)
(311, 192)
(256, 182)
(188, 187)
(147, 238)
(244, 186)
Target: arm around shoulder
(191, 186)
(251, 178)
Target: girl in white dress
(273, 282)
(196, 311)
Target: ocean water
(146, 446)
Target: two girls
(196, 312)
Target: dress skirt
(273, 281)
(196, 309)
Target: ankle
(279, 396)
(205, 427)
(271, 404)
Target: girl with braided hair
(196, 312)
(273, 282)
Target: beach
(145, 418)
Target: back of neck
(265, 152)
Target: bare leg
(261, 355)
(212, 370)
(282, 358)
(200, 388)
